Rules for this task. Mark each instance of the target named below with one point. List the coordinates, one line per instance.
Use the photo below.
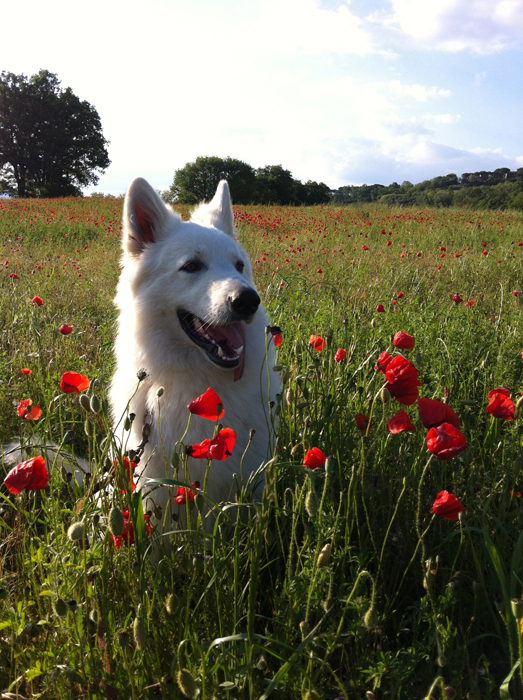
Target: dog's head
(191, 281)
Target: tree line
(272, 184)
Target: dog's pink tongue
(234, 334)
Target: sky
(338, 91)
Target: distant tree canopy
(197, 182)
(51, 142)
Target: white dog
(190, 318)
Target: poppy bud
(141, 374)
(158, 512)
(127, 424)
(371, 618)
(297, 450)
(312, 504)
(449, 692)
(289, 396)
(116, 522)
(385, 395)
(519, 403)
(329, 466)
(373, 323)
(93, 616)
(517, 608)
(369, 695)
(68, 437)
(441, 660)
(76, 531)
(262, 664)
(304, 628)
(95, 404)
(160, 391)
(186, 682)
(277, 368)
(139, 633)
(96, 519)
(60, 607)
(84, 402)
(325, 556)
(123, 640)
(89, 428)
(311, 695)
(199, 501)
(52, 407)
(171, 604)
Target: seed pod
(371, 618)
(76, 531)
(171, 603)
(60, 607)
(175, 460)
(325, 556)
(84, 402)
(116, 522)
(139, 633)
(186, 682)
(95, 404)
(312, 504)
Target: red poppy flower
(433, 413)
(129, 468)
(25, 371)
(380, 308)
(402, 380)
(445, 441)
(182, 493)
(14, 276)
(314, 458)
(362, 422)
(383, 362)
(65, 329)
(456, 299)
(206, 406)
(340, 355)
(31, 475)
(33, 413)
(127, 535)
(73, 383)
(276, 340)
(401, 295)
(400, 423)
(37, 301)
(219, 448)
(318, 343)
(501, 405)
(403, 341)
(447, 506)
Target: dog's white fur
(153, 287)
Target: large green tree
(197, 182)
(51, 142)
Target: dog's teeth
(239, 350)
(220, 352)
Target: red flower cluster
(400, 423)
(402, 380)
(31, 475)
(340, 355)
(445, 441)
(74, 383)
(127, 535)
(362, 422)
(318, 343)
(447, 506)
(501, 405)
(33, 413)
(128, 467)
(183, 493)
(403, 341)
(314, 458)
(206, 406)
(219, 448)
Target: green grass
(409, 603)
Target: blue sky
(342, 92)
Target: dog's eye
(240, 265)
(192, 266)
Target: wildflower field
(386, 556)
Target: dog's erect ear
(144, 216)
(218, 212)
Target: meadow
(355, 577)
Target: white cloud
(481, 26)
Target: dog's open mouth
(224, 345)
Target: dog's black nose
(244, 302)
